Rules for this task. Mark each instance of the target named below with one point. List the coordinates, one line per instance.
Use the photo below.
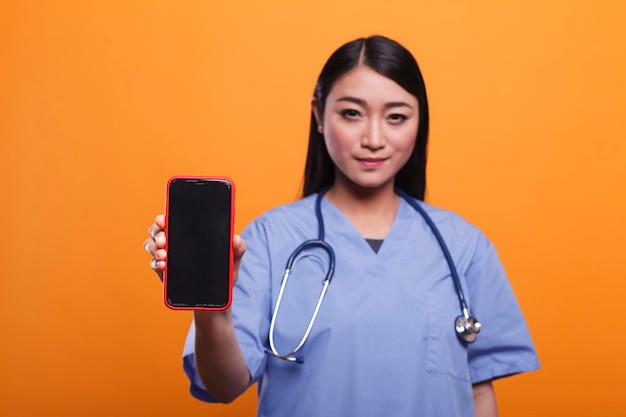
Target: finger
(159, 240)
(160, 221)
(149, 246)
(154, 229)
(158, 267)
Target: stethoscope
(466, 326)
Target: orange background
(102, 101)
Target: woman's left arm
(484, 400)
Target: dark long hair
(392, 60)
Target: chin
(364, 182)
(368, 187)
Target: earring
(320, 128)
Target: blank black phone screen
(199, 233)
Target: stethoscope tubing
(467, 327)
(444, 249)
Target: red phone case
(231, 254)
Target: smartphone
(199, 218)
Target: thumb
(239, 248)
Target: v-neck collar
(337, 224)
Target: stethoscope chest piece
(467, 328)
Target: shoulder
(462, 237)
(278, 231)
(292, 215)
(290, 212)
(449, 221)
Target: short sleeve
(250, 306)
(504, 346)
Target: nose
(373, 135)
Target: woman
(383, 342)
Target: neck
(372, 211)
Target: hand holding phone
(199, 232)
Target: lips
(371, 162)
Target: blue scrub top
(384, 341)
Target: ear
(315, 112)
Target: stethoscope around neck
(466, 326)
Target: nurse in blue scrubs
(383, 342)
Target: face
(370, 127)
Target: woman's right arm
(219, 360)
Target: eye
(397, 118)
(350, 114)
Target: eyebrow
(362, 102)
